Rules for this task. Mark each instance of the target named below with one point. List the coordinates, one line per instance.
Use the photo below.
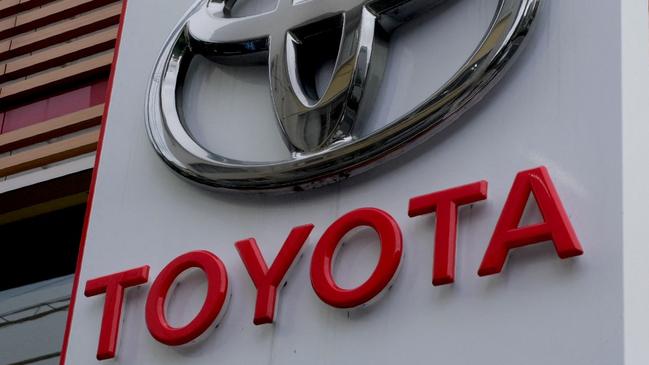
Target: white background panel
(559, 106)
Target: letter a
(556, 226)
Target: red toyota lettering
(556, 226)
(322, 278)
(214, 305)
(268, 281)
(113, 286)
(445, 204)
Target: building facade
(55, 60)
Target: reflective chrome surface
(318, 127)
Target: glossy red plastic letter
(556, 226)
(113, 286)
(268, 281)
(389, 261)
(445, 204)
(214, 305)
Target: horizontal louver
(55, 56)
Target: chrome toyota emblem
(318, 127)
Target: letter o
(215, 301)
(386, 269)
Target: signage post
(333, 182)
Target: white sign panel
(499, 239)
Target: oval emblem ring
(317, 123)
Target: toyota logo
(318, 126)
